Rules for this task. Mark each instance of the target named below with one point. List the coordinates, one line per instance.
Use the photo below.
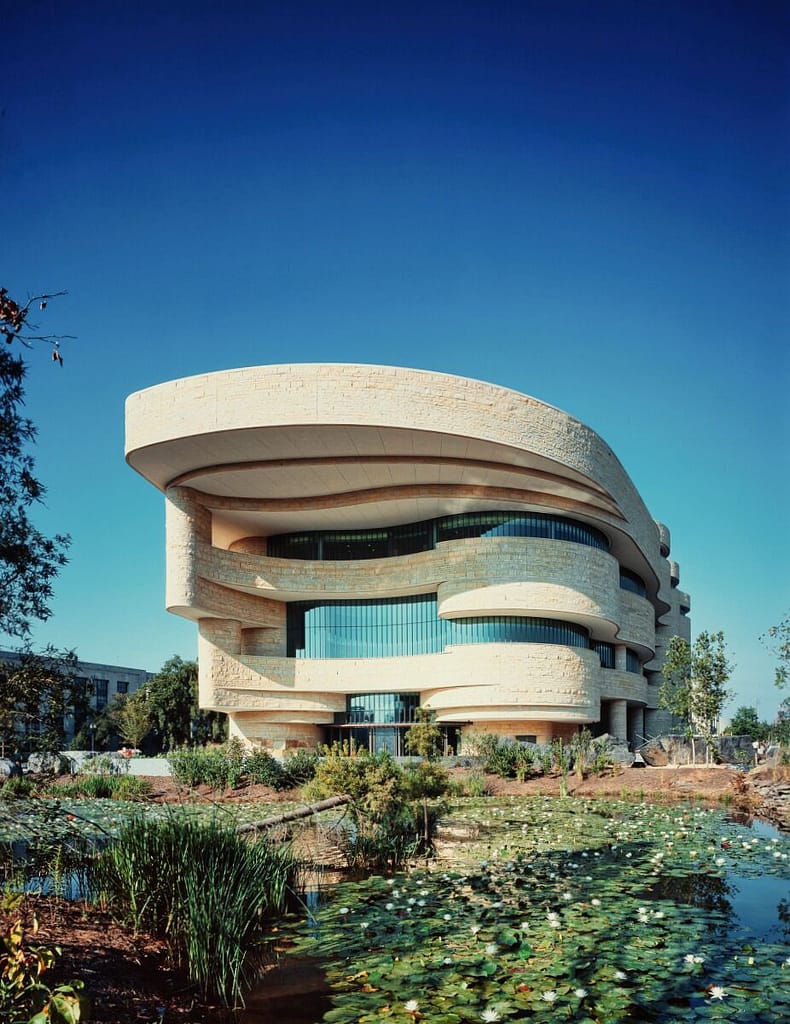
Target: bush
(130, 787)
(17, 786)
(264, 770)
(24, 997)
(474, 785)
(299, 768)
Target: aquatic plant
(203, 888)
(579, 911)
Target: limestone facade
(349, 452)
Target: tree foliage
(172, 701)
(29, 561)
(134, 718)
(746, 722)
(695, 682)
(777, 638)
(36, 694)
(424, 738)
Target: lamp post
(92, 728)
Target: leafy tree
(428, 780)
(781, 728)
(36, 694)
(172, 699)
(107, 728)
(674, 695)
(777, 638)
(29, 561)
(710, 672)
(424, 738)
(694, 688)
(134, 718)
(745, 722)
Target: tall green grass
(205, 889)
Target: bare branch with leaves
(16, 326)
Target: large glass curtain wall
(390, 541)
(396, 627)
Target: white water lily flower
(717, 992)
(412, 1006)
(344, 910)
(580, 993)
(620, 976)
(475, 929)
(489, 1016)
(595, 902)
(389, 906)
(447, 917)
(549, 996)
(491, 948)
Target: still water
(755, 906)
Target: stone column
(188, 524)
(618, 719)
(636, 725)
(219, 645)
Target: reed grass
(206, 890)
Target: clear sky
(584, 201)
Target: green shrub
(130, 787)
(24, 997)
(203, 888)
(264, 770)
(385, 828)
(299, 768)
(480, 744)
(95, 786)
(475, 785)
(507, 759)
(17, 786)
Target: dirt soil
(129, 978)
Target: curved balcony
(520, 682)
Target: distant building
(356, 541)
(102, 684)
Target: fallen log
(302, 812)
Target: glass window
(381, 708)
(399, 626)
(102, 686)
(605, 652)
(633, 582)
(121, 686)
(387, 542)
(632, 662)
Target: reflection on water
(295, 991)
(758, 906)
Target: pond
(554, 909)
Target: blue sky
(585, 201)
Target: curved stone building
(357, 541)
